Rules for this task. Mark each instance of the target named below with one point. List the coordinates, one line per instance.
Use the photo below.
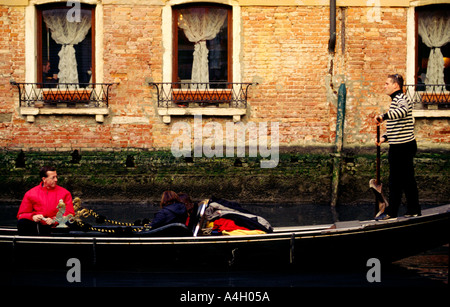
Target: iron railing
(189, 94)
(88, 95)
(429, 94)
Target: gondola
(177, 247)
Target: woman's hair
(168, 198)
(186, 200)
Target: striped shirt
(400, 122)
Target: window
(65, 45)
(433, 45)
(60, 62)
(219, 90)
(428, 35)
(202, 45)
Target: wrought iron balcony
(70, 95)
(426, 95)
(195, 95)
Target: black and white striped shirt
(400, 122)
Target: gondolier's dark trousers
(401, 178)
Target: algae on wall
(137, 176)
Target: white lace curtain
(67, 34)
(434, 28)
(200, 25)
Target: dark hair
(397, 79)
(43, 171)
(186, 200)
(168, 198)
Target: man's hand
(38, 217)
(382, 140)
(379, 119)
(48, 221)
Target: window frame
(417, 36)
(412, 34)
(39, 21)
(175, 14)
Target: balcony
(211, 99)
(63, 99)
(429, 100)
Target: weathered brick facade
(372, 51)
(285, 50)
(12, 65)
(283, 47)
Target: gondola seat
(170, 230)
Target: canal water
(429, 269)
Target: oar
(378, 182)
(375, 184)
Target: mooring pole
(339, 140)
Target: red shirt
(40, 200)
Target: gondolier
(402, 149)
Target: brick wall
(283, 48)
(132, 40)
(373, 49)
(12, 65)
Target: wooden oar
(375, 184)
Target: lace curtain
(67, 34)
(434, 28)
(200, 25)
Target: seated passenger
(172, 211)
(38, 209)
(191, 207)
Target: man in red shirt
(39, 206)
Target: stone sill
(431, 113)
(31, 112)
(166, 113)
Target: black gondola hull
(339, 244)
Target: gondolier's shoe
(412, 214)
(384, 217)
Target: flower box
(209, 96)
(66, 96)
